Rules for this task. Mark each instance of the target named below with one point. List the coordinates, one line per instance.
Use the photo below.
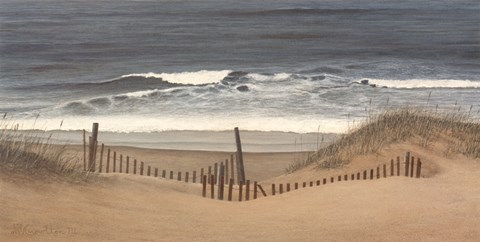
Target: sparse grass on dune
(35, 155)
(398, 125)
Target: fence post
(247, 190)
(378, 172)
(358, 175)
(232, 168)
(261, 189)
(141, 168)
(92, 154)
(179, 176)
(384, 170)
(128, 165)
(240, 167)
(201, 174)
(121, 163)
(280, 188)
(419, 167)
(305, 184)
(230, 189)
(413, 162)
(324, 181)
(407, 163)
(212, 187)
(371, 174)
(114, 161)
(101, 159)
(255, 190)
(353, 177)
(345, 178)
(398, 165)
(108, 161)
(288, 187)
(209, 173)
(164, 173)
(186, 177)
(364, 175)
(204, 186)
(318, 183)
(171, 175)
(391, 167)
(148, 170)
(273, 189)
(296, 185)
(339, 178)
(84, 151)
(240, 192)
(227, 179)
(134, 166)
(220, 187)
(215, 172)
(194, 178)
(156, 172)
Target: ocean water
(143, 66)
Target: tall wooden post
(121, 163)
(240, 166)
(114, 161)
(141, 168)
(127, 167)
(212, 187)
(232, 168)
(230, 189)
(135, 166)
(92, 155)
(240, 191)
(204, 186)
(391, 167)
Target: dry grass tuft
(398, 125)
(34, 154)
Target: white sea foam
(192, 78)
(275, 77)
(425, 83)
(132, 123)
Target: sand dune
(443, 206)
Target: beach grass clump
(34, 154)
(397, 125)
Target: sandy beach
(443, 205)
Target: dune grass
(398, 125)
(34, 154)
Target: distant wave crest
(425, 83)
(186, 78)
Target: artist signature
(28, 229)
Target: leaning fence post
(204, 187)
(419, 167)
(407, 163)
(240, 166)
(108, 161)
(261, 189)
(101, 159)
